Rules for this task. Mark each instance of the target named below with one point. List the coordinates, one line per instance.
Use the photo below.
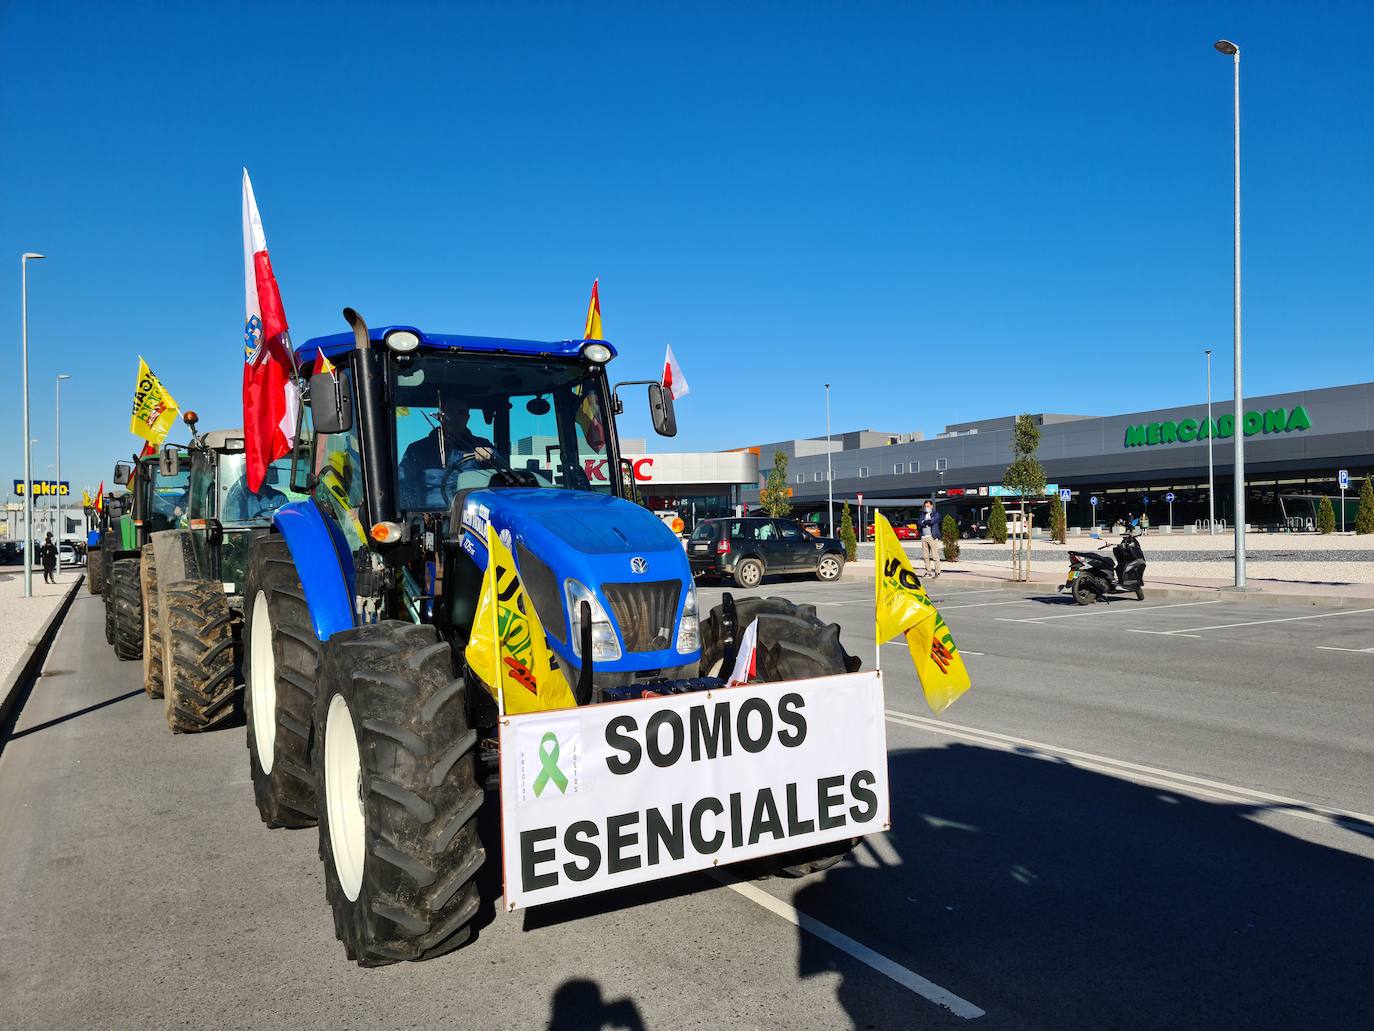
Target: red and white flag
(747, 658)
(673, 379)
(270, 399)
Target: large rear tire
(95, 571)
(1082, 593)
(198, 656)
(152, 624)
(793, 644)
(126, 603)
(396, 764)
(281, 658)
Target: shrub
(1059, 528)
(949, 536)
(1326, 517)
(1364, 516)
(775, 494)
(851, 542)
(997, 522)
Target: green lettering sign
(1273, 420)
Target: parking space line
(981, 604)
(1164, 633)
(1263, 622)
(1333, 648)
(1183, 782)
(1110, 608)
(908, 979)
(968, 594)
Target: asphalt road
(1143, 815)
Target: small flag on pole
(673, 380)
(592, 329)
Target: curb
(14, 689)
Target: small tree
(1326, 517)
(1364, 515)
(997, 522)
(851, 542)
(949, 536)
(774, 495)
(1059, 529)
(1025, 475)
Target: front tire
(198, 657)
(829, 568)
(126, 605)
(397, 768)
(749, 573)
(281, 658)
(95, 571)
(152, 624)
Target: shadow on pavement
(85, 710)
(1056, 897)
(578, 1006)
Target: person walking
(48, 553)
(929, 525)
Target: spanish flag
(507, 649)
(100, 498)
(592, 331)
(903, 607)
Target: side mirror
(169, 462)
(331, 403)
(661, 409)
(123, 473)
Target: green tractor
(156, 501)
(362, 713)
(199, 573)
(103, 519)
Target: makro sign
(606, 796)
(1274, 420)
(44, 488)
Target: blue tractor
(362, 714)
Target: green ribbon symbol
(548, 766)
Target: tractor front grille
(645, 612)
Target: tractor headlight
(605, 645)
(599, 354)
(402, 341)
(689, 630)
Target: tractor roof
(223, 440)
(338, 343)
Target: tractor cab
(416, 443)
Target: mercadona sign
(1275, 420)
(605, 796)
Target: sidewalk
(21, 617)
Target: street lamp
(829, 479)
(1211, 486)
(24, 260)
(60, 526)
(1225, 46)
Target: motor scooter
(1093, 577)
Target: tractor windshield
(462, 419)
(167, 505)
(236, 505)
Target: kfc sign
(596, 469)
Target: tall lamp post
(1225, 46)
(60, 525)
(1211, 485)
(24, 260)
(829, 479)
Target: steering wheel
(462, 462)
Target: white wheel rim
(262, 683)
(828, 568)
(751, 574)
(343, 795)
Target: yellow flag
(86, 498)
(903, 607)
(507, 648)
(154, 409)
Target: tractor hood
(596, 540)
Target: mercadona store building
(1295, 446)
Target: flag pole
(496, 626)
(877, 572)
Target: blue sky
(948, 211)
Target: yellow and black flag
(903, 607)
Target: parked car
(904, 531)
(746, 548)
(67, 555)
(11, 553)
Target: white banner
(605, 796)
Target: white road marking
(984, 604)
(908, 979)
(1333, 648)
(1109, 608)
(1166, 633)
(1262, 622)
(967, 594)
(1182, 782)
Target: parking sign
(1343, 479)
